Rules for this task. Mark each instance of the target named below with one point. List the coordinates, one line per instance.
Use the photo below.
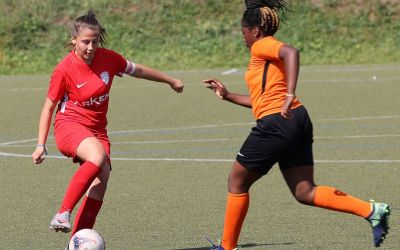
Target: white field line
(214, 126)
(323, 68)
(171, 141)
(229, 72)
(13, 144)
(384, 117)
(356, 136)
(181, 128)
(16, 142)
(352, 68)
(8, 145)
(41, 89)
(373, 70)
(223, 125)
(198, 159)
(301, 81)
(338, 80)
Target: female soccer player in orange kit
(283, 133)
(80, 83)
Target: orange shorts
(69, 135)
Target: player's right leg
(239, 182)
(91, 152)
(91, 205)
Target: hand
(216, 86)
(177, 85)
(37, 156)
(286, 111)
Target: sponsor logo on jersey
(105, 77)
(93, 101)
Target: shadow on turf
(250, 245)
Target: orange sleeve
(267, 49)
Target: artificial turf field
(172, 154)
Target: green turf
(160, 199)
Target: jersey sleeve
(267, 49)
(120, 63)
(57, 87)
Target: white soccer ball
(87, 239)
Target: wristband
(290, 95)
(44, 148)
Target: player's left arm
(144, 72)
(290, 57)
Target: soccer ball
(86, 239)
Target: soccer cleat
(217, 247)
(60, 222)
(379, 220)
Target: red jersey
(82, 89)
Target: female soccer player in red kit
(283, 133)
(81, 84)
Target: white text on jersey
(93, 101)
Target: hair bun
(251, 4)
(272, 4)
(91, 13)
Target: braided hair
(88, 21)
(264, 15)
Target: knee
(237, 185)
(305, 196)
(93, 150)
(99, 159)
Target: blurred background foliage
(197, 34)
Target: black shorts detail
(278, 140)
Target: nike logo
(81, 85)
(240, 154)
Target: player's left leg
(301, 183)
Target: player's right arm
(44, 126)
(221, 91)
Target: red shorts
(69, 135)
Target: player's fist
(37, 155)
(177, 85)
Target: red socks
(87, 213)
(79, 184)
(236, 210)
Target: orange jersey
(270, 100)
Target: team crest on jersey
(105, 77)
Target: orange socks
(334, 199)
(324, 197)
(236, 210)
